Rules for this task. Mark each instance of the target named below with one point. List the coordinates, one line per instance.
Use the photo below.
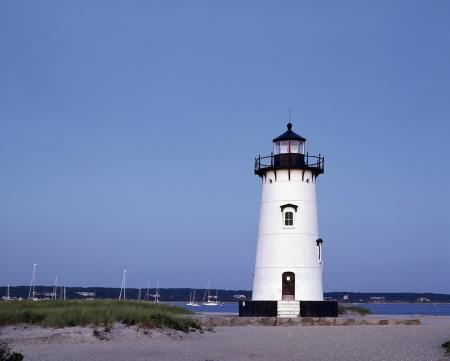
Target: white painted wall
(282, 249)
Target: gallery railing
(314, 163)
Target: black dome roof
(289, 135)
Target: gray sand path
(321, 343)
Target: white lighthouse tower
(289, 251)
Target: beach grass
(55, 313)
(352, 310)
(446, 345)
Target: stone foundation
(213, 321)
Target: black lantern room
(289, 148)
(289, 152)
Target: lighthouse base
(257, 308)
(272, 308)
(318, 309)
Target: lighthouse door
(288, 286)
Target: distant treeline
(183, 294)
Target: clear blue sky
(128, 131)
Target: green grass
(351, 310)
(95, 312)
(446, 345)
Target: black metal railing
(315, 163)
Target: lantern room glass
(289, 147)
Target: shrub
(446, 345)
(7, 355)
(352, 310)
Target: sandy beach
(308, 343)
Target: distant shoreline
(224, 295)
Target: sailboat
(192, 302)
(208, 299)
(32, 291)
(55, 289)
(156, 296)
(8, 296)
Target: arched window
(288, 212)
(288, 219)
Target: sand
(309, 343)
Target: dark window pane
(289, 219)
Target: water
(376, 308)
(227, 307)
(408, 308)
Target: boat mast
(32, 290)
(123, 286)
(147, 293)
(157, 291)
(55, 288)
(204, 299)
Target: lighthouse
(289, 256)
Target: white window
(284, 146)
(289, 146)
(294, 146)
(301, 148)
(276, 148)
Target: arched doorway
(288, 286)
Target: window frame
(288, 209)
(288, 218)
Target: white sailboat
(208, 299)
(123, 287)
(156, 296)
(7, 297)
(32, 291)
(192, 302)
